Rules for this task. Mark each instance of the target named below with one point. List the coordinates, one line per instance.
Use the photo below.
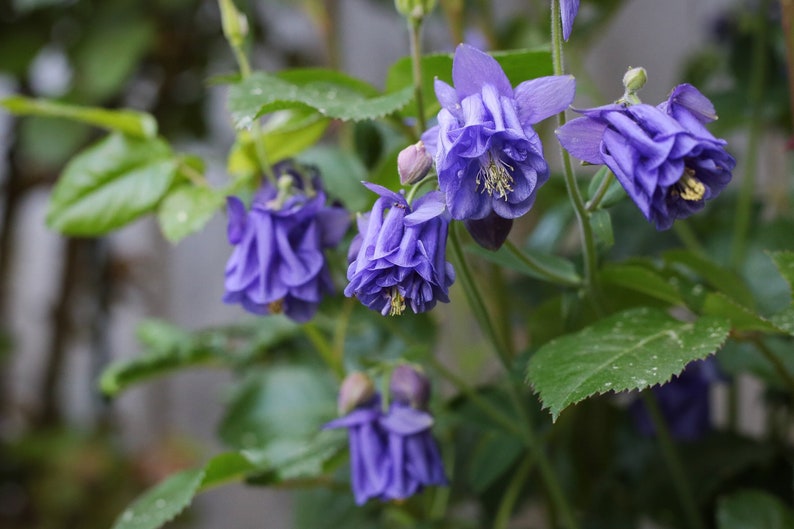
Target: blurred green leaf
(784, 261)
(753, 509)
(130, 122)
(330, 93)
(634, 349)
(186, 209)
(494, 454)
(110, 184)
(741, 318)
(503, 257)
(342, 174)
(602, 228)
(290, 459)
(51, 143)
(641, 279)
(719, 277)
(614, 192)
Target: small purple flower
(683, 402)
(278, 265)
(487, 155)
(398, 257)
(664, 157)
(568, 10)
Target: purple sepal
(490, 232)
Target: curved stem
(540, 268)
(415, 30)
(676, 468)
(595, 202)
(323, 347)
(575, 195)
(744, 204)
(508, 502)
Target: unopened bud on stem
(234, 23)
(357, 389)
(413, 163)
(409, 386)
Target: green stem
(415, 30)
(776, 362)
(540, 268)
(510, 496)
(744, 204)
(601, 192)
(323, 347)
(575, 195)
(674, 465)
(195, 177)
(687, 236)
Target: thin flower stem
(559, 501)
(512, 492)
(601, 192)
(323, 346)
(195, 177)
(687, 236)
(744, 204)
(776, 362)
(541, 269)
(575, 195)
(673, 461)
(415, 30)
(493, 413)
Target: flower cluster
(278, 265)
(663, 156)
(397, 259)
(393, 455)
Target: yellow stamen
(397, 302)
(689, 187)
(276, 307)
(495, 177)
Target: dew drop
(127, 516)
(181, 216)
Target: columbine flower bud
(413, 163)
(357, 389)
(409, 386)
(634, 79)
(416, 9)
(234, 23)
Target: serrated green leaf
(330, 93)
(719, 277)
(225, 467)
(641, 279)
(634, 349)
(503, 257)
(111, 184)
(163, 502)
(741, 318)
(753, 509)
(130, 122)
(785, 264)
(186, 209)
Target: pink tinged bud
(409, 386)
(413, 163)
(357, 389)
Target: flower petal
(582, 138)
(473, 69)
(543, 97)
(568, 10)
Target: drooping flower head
(398, 258)
(664, 157)
(487, 155)
(278, 265)
(415, 458)
(683, 402)
(392, 455)
(568, 10)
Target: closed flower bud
(490, 232)
(413, 163)
(409, 386)
(634, 79)
(357, 389)
(416, 9)
(234, 23)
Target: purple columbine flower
(664, 157)
(683, 402)
(278, 265)
(487, 155)
(415, 458)
(568, 10)
(398, 258)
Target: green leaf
(169, 498)
(602, 228)
(495, 453)
(111, 184)
(641, 279)
(741, 318)
(162, 503)
(785, 264)
(130, 122)
(503, 257)
(342, 173)
(186, 209)
(332, 94)
(614, 192)
(290, 459)
(634, 349)
(753, 509)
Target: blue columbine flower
(398, 257)
(568, 10)
(278, 265)
(683, 402)
(393, 455)
(664, 156)
(488, 157)
(415, 458)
